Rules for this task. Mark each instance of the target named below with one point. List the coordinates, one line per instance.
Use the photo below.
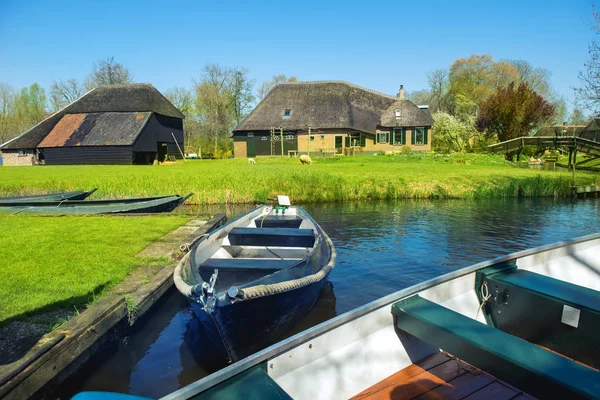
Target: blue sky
(379, 45)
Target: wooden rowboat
(513, 327)
(75, 195)
(123, 206)
(251, 280)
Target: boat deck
(441, 376)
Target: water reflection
(382, 247)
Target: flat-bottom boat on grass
(253, 279)
(514, 327)
(119, 206)
(75, 195)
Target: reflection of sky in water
(382, 248)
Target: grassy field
(61, 262)
(327, 179)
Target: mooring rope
(485, 296)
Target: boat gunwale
(279, 348)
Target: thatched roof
(593, 126)
(558, 130)
(321, 104)
(410, 115)
(135, 98)
(96, 129)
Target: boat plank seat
(559, 315)
(279, 221)
(248, 263)
(279, 237)
(539, 372)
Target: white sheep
(304, 159)
(251, 161)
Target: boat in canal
(159, 204)
(48, 197)
(252, 280)
(518, 326)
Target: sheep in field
(304, 159)
(251, 161)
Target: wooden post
(570, 155)
(574, 162)
(308, 143)
(272, 141)
(181, 152)
(281, 138)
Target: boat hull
(50, 197)
(242, 328)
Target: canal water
(382, 247)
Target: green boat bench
(549, 312)
(531, 368)
(280, 237)
(274, 264)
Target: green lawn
(61, 262)
(327, 179)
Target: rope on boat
(181, 285)
(186, 247)
(266, 290)
(485, 296)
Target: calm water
(382, 247)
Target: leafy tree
(420, 97)
(31, 105)
(8, 123)
(577, 117)
(108, 72)
(63, 93)
(513, 111)
(266, 87)
(451, 134)
(241, 88)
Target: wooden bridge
(572, 143)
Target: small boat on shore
(159, 204)
(251, 280)
(75, 195)
(514, 327)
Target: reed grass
(327, 179)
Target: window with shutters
(382, 137)
(398, 136)
(356, 139)
(420, 136)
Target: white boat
(514, 327)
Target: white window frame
(379, 137)
(398, 142)
(287, 112)
(22, 153)
(312, 138)
(422, 133)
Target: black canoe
(123, 206)
(253, 279)
(75, 195)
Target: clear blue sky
(379, 45)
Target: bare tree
(63, 93)
(438, 85)
(588, 95)
(266, 86)
(107, 72)
(240, 88)
(183, 99)
(8, 126)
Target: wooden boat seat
(549, 312)
(538, 371)
(248, 263)
(281, 237)
(279, 221)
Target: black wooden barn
(120, 124)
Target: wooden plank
(495, 390)
(413, 386)
(460, 387)
(405, 374)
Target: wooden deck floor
(441, 376)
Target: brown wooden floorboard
(440, 376)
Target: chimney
(400, 94)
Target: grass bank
(327, 179)
(66, 262)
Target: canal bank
(63, 351)
(382, 247)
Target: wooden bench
(270, 264)
(280, 237)
(531, 368)
(552, 313)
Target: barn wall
(88, 155)
(11, 158)
(158, 130)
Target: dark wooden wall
(158, 130)
(88, 155)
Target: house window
(398, 136)
(22, 153)
(397, 113)
(322, 137)
(355, 139)
(420, 136)
(382, 137)
(287, 112)
(312, 138)
(250, 134)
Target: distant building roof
(405, 113)
(560, 130)
(96, 129)
(134, 98)
(321, 104)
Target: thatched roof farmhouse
(331, 117)
(119, 124)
